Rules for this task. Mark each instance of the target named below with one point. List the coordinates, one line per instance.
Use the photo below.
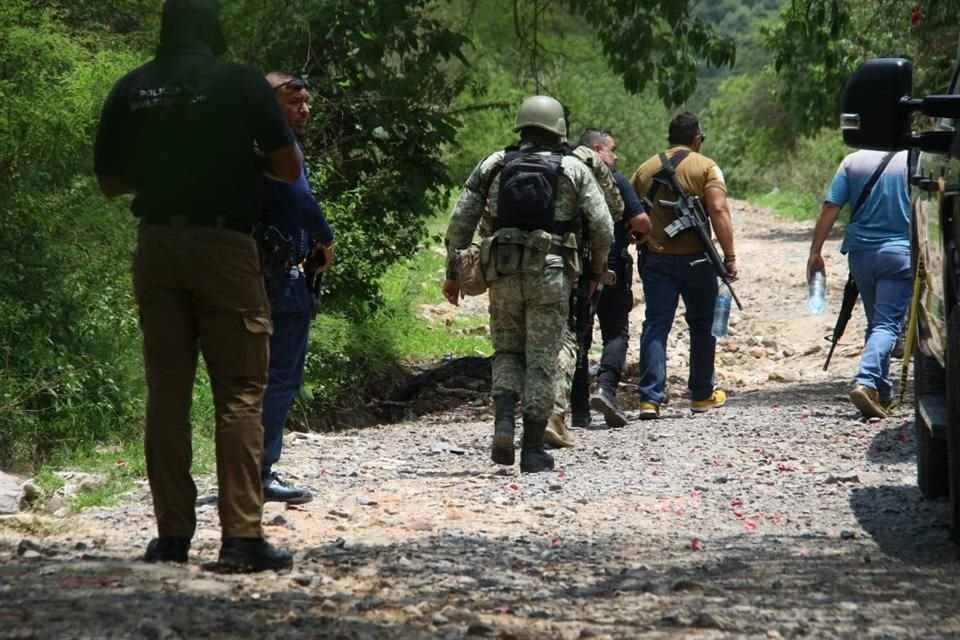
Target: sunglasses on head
(296, 83)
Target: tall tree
(820, 42)
(662, 42)
(386, 80)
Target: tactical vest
(525, 227)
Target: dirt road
(782, 514)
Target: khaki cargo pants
(200, 290)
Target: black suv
(878, 111)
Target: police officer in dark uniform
(181, 133)
(292, 215)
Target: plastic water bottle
(817, 297)
(721, 311)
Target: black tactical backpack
(528, 191)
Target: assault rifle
(583, 308)
(580, 305)
(850, 294)
(690, 215)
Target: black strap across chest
(663, 177)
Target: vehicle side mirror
(874, 111)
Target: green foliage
(796, 183)
(407, 97)
(594, 97)
(933, 42)
(394, 82)
(68, 340)
(487, 121)
(662, 41)
(820, 42)
(742, 20)
(383, 76)
(791, 204)
(813, 50)
(749, 131)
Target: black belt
(186, 222)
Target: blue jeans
(884, 278)
(666, 279)
(290, 312)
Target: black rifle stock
(581, 304)
(690, 215)
(850, 294)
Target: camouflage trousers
(528, 317)
(566, 367)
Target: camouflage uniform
(528, 312)
(567, 360)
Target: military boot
(557, 434)
(533, 458)
(503, 427)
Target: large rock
(11, 493)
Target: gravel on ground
(782, 514)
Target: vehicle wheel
(932, 459)
(953, 418)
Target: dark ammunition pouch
(512, 251)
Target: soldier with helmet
(537, 198)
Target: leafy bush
(68, 337)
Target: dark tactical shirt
(294, 211)
(181, 130)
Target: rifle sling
(665, 176)
(850, 290)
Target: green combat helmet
(543, 112)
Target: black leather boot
(504, 425)
(533, 458)
(247, 555)
(167, 549)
